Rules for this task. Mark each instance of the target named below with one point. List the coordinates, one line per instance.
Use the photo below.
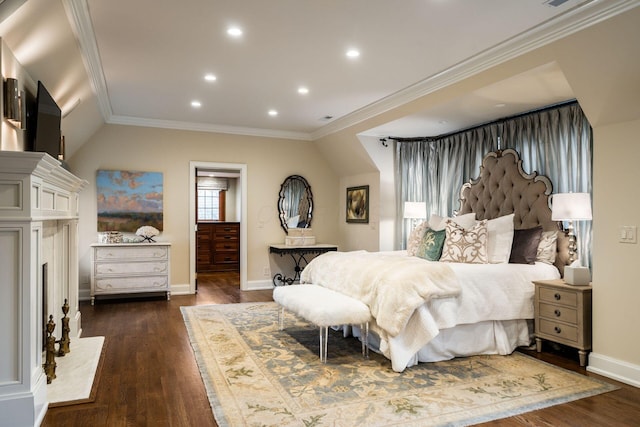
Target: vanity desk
(298, 254)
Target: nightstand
(563, 315)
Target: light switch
(628, 234)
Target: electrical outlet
(266, 272)
(628, 234)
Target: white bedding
(496, 297)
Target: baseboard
(85, 294)
(258, 285)
(183, 289)
(615, 369)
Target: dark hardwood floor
(149, 375)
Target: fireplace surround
(38, 226)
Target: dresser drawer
(125, 285)
(129, 268)
(131, 253)
(559, 296)
(558, 331)
(231, 245)
(557, 312)
(226, 257)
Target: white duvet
(412, 299)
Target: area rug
(257, 375)
(77, 373)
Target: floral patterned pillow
(416, 237)
(465, 245)
(547, 247)
(430, 248)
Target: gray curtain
(556, 142)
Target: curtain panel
(556, 142)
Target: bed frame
(503, 187)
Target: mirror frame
(281, 199)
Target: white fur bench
(323, 307)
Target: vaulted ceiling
(145, 62)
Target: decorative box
(299, 232)
(578, 276)
(110, 237)
(300, 241)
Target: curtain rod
(498, 121)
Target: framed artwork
(358, 204)
(127, 200)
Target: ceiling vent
(556, 3)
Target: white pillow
(500, 239)
(437, 223)
(415, 237)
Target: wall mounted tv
(44, 128)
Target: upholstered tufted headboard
(504, 188)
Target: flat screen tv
(45, 127)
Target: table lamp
(571, 207)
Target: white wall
(616, 291)
(269, 162)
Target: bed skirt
(490, 337)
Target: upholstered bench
(323, 307)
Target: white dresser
(126, 268)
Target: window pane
(208, 205)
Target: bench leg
(281, 318)
(365, 339)
(324, 337)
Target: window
(210, 204)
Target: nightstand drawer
(557, 330)
(557, 312)
(559, 296)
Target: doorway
(240, 200)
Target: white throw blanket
(392, 286)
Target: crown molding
(204, 127)
(554, 29)
(80, 20)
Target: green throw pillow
(431, 245)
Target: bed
(476, 295)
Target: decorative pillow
(415, 237)
(525, 245)
(500, 239)
(437, 223)
(547, 247)
(468, 246)
(431, 245)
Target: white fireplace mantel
(38, 225)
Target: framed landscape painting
(127, 200)
(358, 204)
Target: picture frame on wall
(358, 204)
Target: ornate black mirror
(295, 204)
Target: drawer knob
(557, 313)
(557, 296)
(557, 329)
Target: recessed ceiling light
(273, 113)
(353, 53)
(196, 104)
(234, 31)
(303, 90)
(210, 77)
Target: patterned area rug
(257, 375)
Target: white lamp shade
(415, 210)
(571, 206)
